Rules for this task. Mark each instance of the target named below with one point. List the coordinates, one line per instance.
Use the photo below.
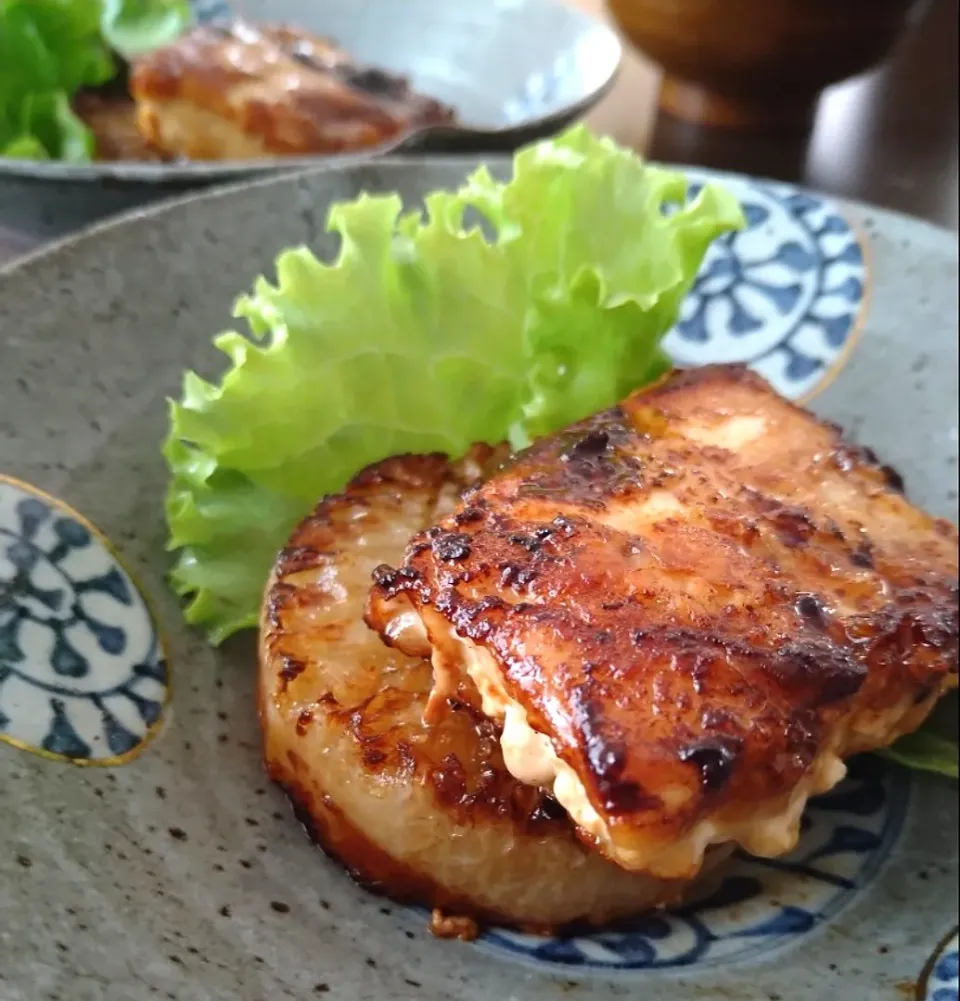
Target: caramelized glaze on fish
(686, 611)
(240, 92)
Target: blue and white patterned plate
(762, 904)
(183, 876)
(82, 671)
(787, 295)
(941, 980)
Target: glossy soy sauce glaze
(284, 91)
(706, 598)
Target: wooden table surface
(890, 138)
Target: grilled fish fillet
(686, 611)
(244, 92)
(424, 814)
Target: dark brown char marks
(696, 593)
(380, 709)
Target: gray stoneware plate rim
(435, 140)
(464, 161)
(926, 840)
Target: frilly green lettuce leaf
(49, 49)
(427, 333)
(52, 45)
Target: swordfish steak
(685, 612)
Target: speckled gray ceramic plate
(514, 70)
(181, 874)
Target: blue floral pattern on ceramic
(762, 904)
(943, 983)
(82, 671)
(785, 295)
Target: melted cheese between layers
(769, 830)
(765, 829)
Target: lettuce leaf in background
(135, 27)
(935, 748)
(51, 122)
(48, 45)
(49, 49)
(425, 334)
(25, 148)
(926, 751)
